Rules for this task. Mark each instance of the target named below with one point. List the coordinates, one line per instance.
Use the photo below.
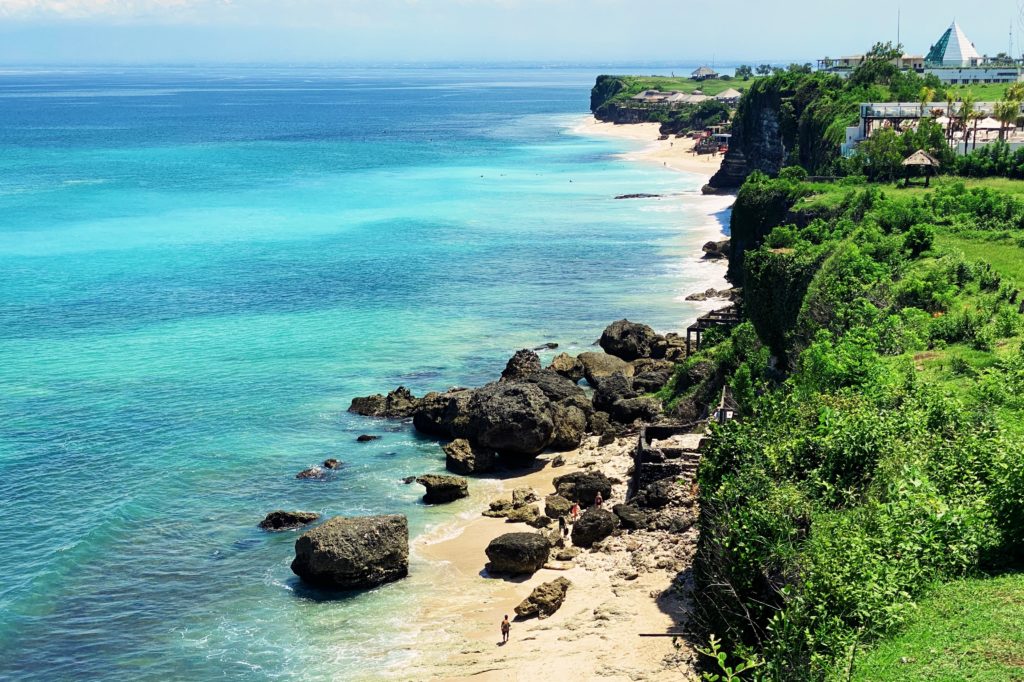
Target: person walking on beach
(506, 626)
(575, 511)
(563, 527)
(598, 500)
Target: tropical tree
(927, 95)
(744, 72)
(764, 70)
(1006, 112)
(949, 116)
(1015, 92)
(967, 111)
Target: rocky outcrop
(650, 375)
(522, 364)
(353, 553)
(640, 409)
(517, 553)
(312, 474)
(512, 418)
(630, 517)
(398, 404)
(556, 505)
(521, 496)
(286, 520)
(597, 366)
(583, 486)
(593, 526)
(660, 494)
(612, 389)
(557, 388)
(716, 251)
(333, 464)
(442, 489)
(631, 340)
(570, 426)
(527, 513)
(545, 599)
(567, 366)
(443, 414)
(463, 458)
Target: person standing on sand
(598, 500)
(506, 626)
(563, 527)
(575, 512)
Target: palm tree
(966, 114)
(926, 96)
(949, 116)
(1006, 112)
(1015, 92)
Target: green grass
(982, 92)
(965, 630)
(1003, 254)
(637, 84)
(830, 195)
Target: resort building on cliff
(953, 59)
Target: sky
(550, 31)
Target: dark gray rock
(512, 418)
(443, 414)
(570, 427)
(545, 599)
(332, 464)
(517, 553)
(716, 250)
(597, 366)
(661, 494)
(583, 486)
(398, 404)
(442, 489)
(556, 387)
(641, 409)
(286, 520)
(558, 461)
(463, 458)
(630, 517)
(409, 480)
(651, 382)
(312, 474)
(366, 438)
(550, 345)
(521, 365)
(354, 553)
(630, 340)
(593, 526)
(612, 389)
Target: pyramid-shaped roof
(953, 49)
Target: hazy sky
(83, 31)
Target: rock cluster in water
(350, 553)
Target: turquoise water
(200, 269)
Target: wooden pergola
(922, 159)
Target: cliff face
(604, 89)
(757, 141)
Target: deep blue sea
(199, 268)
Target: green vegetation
(965, 630)
(881, 450)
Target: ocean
(201, 267)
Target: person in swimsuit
(575, 511)
(506, 626)
(598, 500)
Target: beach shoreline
(629, 588)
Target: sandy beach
(627, 594)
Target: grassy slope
(982, 92)
(637, 84)
(966, 630)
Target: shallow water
(199, 270)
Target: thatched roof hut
(924, 160)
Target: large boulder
(593, 526)
(521, 496)
(612, 389)
(527, 513)
(597, 366)
(641, 409)
(583, 486)
(521, 365)
(462, 458)
(717, 250)
(398, 404)
(650, 375)
(631, 340)
(567, 366)
(545, 599)
(443, 414)
(660, 494)
(442, 489)
(512, 418)
(630, 517)
(556, 505)
(556, 387)
(354, 553)
(286, 520)
(517, 553)
(570, 426)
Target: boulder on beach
(632, 340)
(460, 457)
(499, 509)
(660, 494)
(593, 526)
(630, 517)
(641, 409)
(524, 363)
(443, 414)
(287, 520)
(716, 250)
(517, 553)
(567, 366)
(351, 553)
(523, 496)
(512, 418)
(597, 366)
(526, 513)
(570, 427)
(545, 599)
(398, 404)
(442, 488)
(556, 505)
(612, 389)
(583, 486)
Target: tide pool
(200, 268)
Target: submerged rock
(352, 553)
(517, 553)
(442, 489)
(312, 473)
(366, 438)
(545, 599)
(398, 404)
(332, 464)
(286, 520)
